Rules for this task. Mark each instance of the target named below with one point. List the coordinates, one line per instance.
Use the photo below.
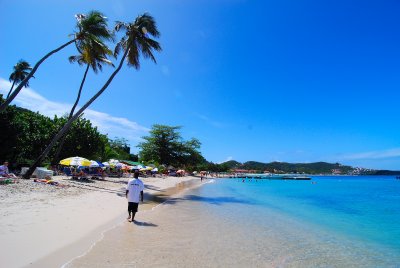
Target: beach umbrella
(137, 167)
(106, 164)
(137, 164)
(113, 162)
(95, 164)
(126, 167)
(100, 164)
(146, 168)
(155, 170)
(121, 165)
(75, 161)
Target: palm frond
(133, 55)
(148, 22)
(146, 49)
(20, 71)
(119, 25)
(72, 59)
(120, 45)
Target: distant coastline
(316, 168)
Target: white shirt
(134, 186)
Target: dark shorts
(132, 207)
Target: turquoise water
(359, 215)
(327, 222)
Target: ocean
(330, 221)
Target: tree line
(25, 134)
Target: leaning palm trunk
(67, 125)
(8, 95)
(4, 105)
(61, 144)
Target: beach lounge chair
(71, 174)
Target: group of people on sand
(5, 174)
(134, 189)
(84, 172)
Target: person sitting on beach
(134, 188)
(4, 171)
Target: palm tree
(21, 70)
(92, 25)
(136, 42)
(93, 54)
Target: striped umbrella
(75, 161)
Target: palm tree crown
(93, 53)
(91, 27)
(136, 39)
(21, 70)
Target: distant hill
(232, 164)
(283, 167)
(386, 172)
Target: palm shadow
(143, 223)
(155, 188)
(218, 200)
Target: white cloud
(229, 158)
(106, 123)
(390, 153)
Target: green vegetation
(165, 146)
(309, 168)
(25, 134)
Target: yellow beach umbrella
(75, 161)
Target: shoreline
(173, 194)
(64, 222)
(220, 226)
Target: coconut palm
(92, 25)
(93, 54)
(134, 43)
(21, 70)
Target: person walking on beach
(134, 191)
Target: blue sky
(294, 81)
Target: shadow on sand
(219, 200)
(155, 188)
(143, 223)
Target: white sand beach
(46, 226)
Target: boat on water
(273, 177)
(297, 178)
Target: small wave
(102, 235)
